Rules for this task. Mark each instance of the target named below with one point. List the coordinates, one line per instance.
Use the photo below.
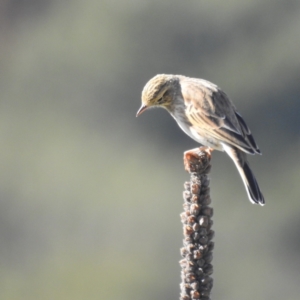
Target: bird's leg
(193, 156)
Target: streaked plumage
(207, 115)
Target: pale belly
(205, 141)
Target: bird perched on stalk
(206, 114)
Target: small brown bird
(205, 113)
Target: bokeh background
(90, 196)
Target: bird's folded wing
(212, 114)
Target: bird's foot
(196, 159)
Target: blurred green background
(91, 196)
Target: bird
(206, 114)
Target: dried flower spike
(196, 268)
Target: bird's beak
(141, 110)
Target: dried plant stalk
(197, 243)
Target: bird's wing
(212, 114)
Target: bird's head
(158, 92)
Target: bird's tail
(254, 193)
